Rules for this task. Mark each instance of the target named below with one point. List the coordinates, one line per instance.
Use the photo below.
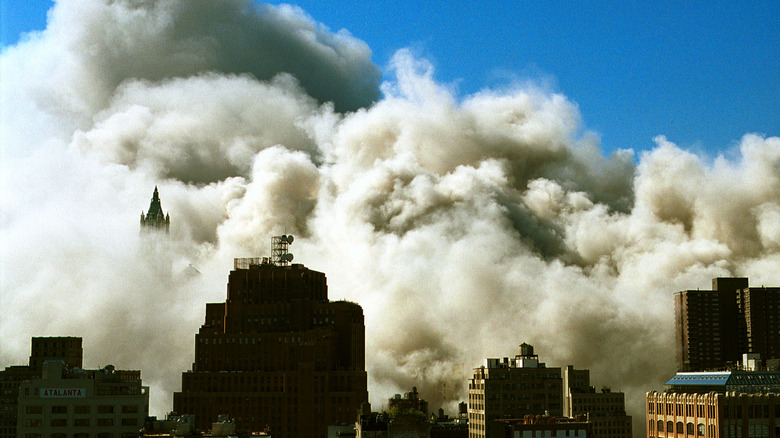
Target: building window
(81, 409)
(700, 429)
(34, 409)
(105, 422)
(129, 422)
(59, 422)
(81, 422)
(689, 429)
(670, 426)
(105, 409)
(33, 422)
(60, 409)
(130, 409)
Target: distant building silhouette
(155, 219)
(410, 401)
(277, 353)
(715, 327)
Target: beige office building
(738, 404)
(76, 403)
(512, 389)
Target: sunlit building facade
(740, 404)
(512, 389)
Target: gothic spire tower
(155, 219)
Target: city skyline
(460, 222)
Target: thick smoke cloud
(463, 226)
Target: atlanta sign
(63, 392)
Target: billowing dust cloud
(464, 226)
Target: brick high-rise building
(277, 353)
(759, 310)
(512, 389)
(715, 327)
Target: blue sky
(702, 74)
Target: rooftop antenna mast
(280, 255)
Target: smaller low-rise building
(730, 404)
(82, 403)
(605, 409)
(542, 426)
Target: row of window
(81, 409)
(732, 411)
(80, 422)
(84, 435)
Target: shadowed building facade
(277, 354)
(67, 349)
(605, 410)
(72, 402)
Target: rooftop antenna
(279, 253)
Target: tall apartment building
(277, 354)
(606, 410)
(72, 402)
(67, 349)
(505, 389)
(715, 327)
(759, 310)
(733, 404)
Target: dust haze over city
(463, 225)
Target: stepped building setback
(277, 355)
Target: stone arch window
(670, 427)
(700, 429)
(680, 427)
(689, 429)
(660, 426)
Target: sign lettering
(63, 392)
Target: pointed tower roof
(155, 208)
(155, 217)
